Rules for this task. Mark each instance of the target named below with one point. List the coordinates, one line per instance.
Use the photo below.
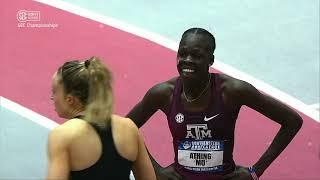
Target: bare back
(76, 146)
(124, 135)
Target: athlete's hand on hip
(168, 173)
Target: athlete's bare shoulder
(69, 130)
(156, 98)
(234, 90)
(232, 85)
(162, 91)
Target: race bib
(201, 156)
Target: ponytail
(100, 98)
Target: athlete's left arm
(289, 120)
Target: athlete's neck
(77, 112)
(192, 88)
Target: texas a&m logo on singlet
(198, 131)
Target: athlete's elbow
(295, 123)
(298, 123)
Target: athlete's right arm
(157, 98)
(152, 101)
(142, 111)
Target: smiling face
(194, 56)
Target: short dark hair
(195, 30)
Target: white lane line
(27, 113)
